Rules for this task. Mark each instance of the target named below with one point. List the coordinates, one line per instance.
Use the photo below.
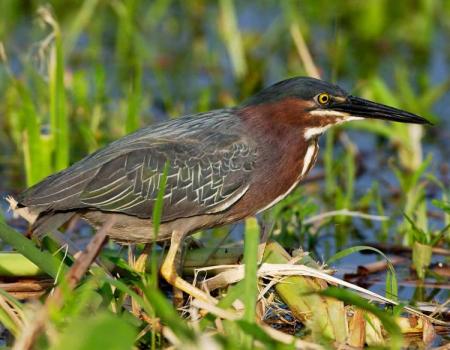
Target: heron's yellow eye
(323, 98)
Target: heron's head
(316, 105)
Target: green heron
(224, 165)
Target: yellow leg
(177, 294)
(139, 266)
(169, 271)
(141, 261)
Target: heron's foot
(169, 271)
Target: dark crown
(299, 87)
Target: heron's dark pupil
(323, 98)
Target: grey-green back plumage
(209, 162)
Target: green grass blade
(58, 114)
(79, 22)
(241, 289)
(7, 322)
(257, 333)
(129, 291)
(17, 304)
(165, 311)
(12, 314)
(13, 264)
(34, 151)
(232, 37)
(233, 292)
(94, 332)
(156, 221)
(45, 261)
(350, 179)
(132, 122)
(251, 241)
(391, 279)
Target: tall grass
(103, 64)
(251, 279)
(59, 122)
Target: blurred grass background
(125, 64)
(78, 74)
(75, 75)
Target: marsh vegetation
(375, 211)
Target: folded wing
(208, 170)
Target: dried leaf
(429, 332)
(374, 330)
(357, 329)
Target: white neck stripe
(319, 130)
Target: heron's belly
(131, 229)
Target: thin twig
(79, 268)
(344, 212)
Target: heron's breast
(276, 178)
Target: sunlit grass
(109, 68)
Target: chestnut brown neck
(278, 131)
(274, 116)
(278, 128)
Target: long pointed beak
(359, 107)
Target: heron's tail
(41, 223)
(23, 212)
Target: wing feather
(195, 184)
(209, 167)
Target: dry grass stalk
(36, 325)
(235, 273)
(15, 314)
(343, 212)
(27, 288)
(303, 51)
(324, 316)
(289, 339)
(327, 316)
(216, 311)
